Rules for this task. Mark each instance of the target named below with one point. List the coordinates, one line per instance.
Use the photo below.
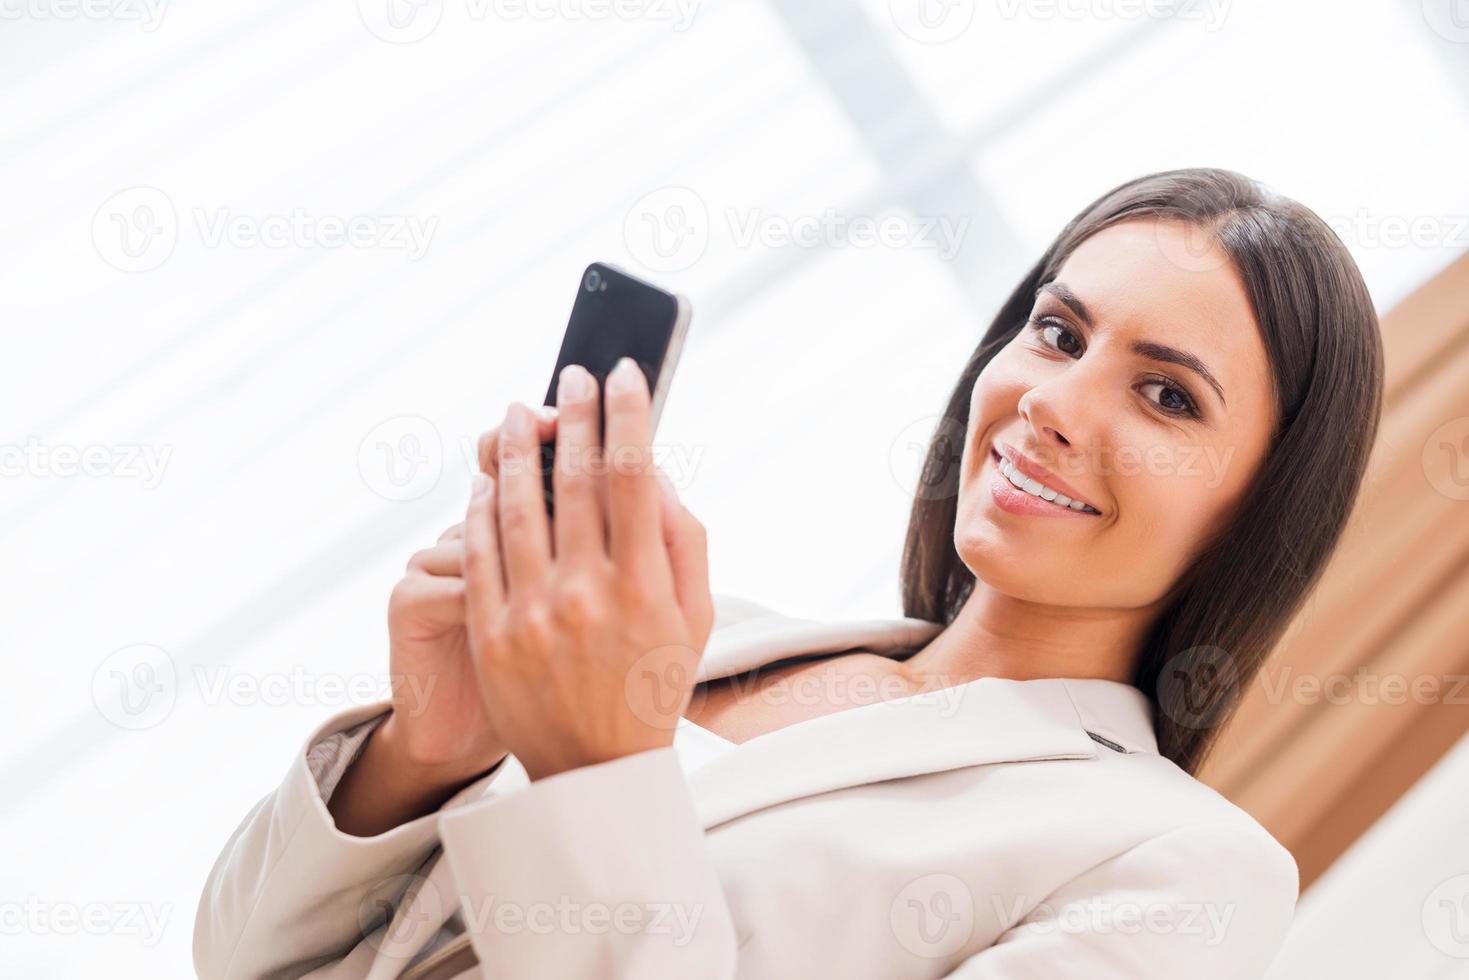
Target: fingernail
(577, 385)
(481, 485)
(665, 483)
(547, 413)
(624, 376)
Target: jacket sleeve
(600, 871)
(290, 892)
(1209, 901)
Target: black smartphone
(618, 315)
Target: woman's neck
(996, 635)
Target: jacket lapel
(988, 720)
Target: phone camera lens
(594, 281)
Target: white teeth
(1036, 488)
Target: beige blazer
(996, 830)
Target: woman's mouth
(1017, 493)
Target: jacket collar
(985, 721)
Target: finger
(444, 558)
(688, 556)
(489, 442)
(454, 533)
(635, 539)
(524, 528)
(578, 527)
(484, 592)
(435, 598)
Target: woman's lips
(1011, 498)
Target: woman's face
(1107, 390)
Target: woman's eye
(1171, 398)
(1056, 335)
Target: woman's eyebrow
(1172, 355)
(1146, 348)
(1063, 292)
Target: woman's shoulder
(1194, 818)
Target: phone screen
(615, 315)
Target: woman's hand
(437, 738)
(438, 725)
(585, 632)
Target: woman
(1140, 473)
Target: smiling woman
(1201, 360)
(1189, 380)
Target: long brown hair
(1231, 605)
